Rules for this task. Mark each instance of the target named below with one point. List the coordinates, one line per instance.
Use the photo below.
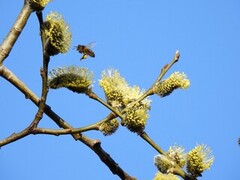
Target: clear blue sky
(138, 38)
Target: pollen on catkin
(57, 34)
(161, 176)
(38, 5)
(136, 114)
(177, 154)
(114, 87)
(174, 81)
(109, 127)
(162, 163)
(135, 117)
(74, 78)
(199, 159)
(120, 95)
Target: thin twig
(97, 98)
(144, 136)
(150, 91)
(14, 137)
(167, 67)
(161, 75)
(58, 132)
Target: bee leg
(84, 57)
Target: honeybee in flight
(86, 50)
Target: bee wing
(91, 45)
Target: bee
(86, 50)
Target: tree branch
(106, 159)
(15, 31)
(13, 79)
